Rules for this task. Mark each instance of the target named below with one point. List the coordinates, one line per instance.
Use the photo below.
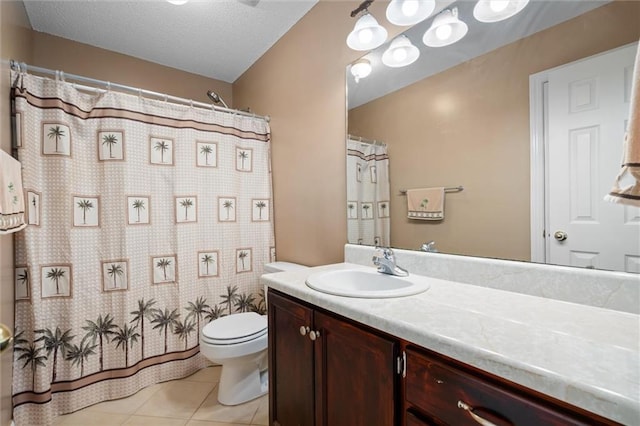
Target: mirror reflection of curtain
(368, 193)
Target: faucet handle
(383, 253)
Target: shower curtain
(146, 220)
(367, 194)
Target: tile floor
(191, 401)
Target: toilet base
(242, 381)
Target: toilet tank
(282, 267)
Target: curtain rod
(365, 140)
(22, 67)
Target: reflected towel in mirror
(630, 194)
(425, 203)
(11, 195)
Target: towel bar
(448, 189)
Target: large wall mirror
(465, 115)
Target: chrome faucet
(385, 260)
(429, 247)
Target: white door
(588, 109)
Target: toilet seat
(235, 329)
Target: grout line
(214, 389)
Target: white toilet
(239, 343)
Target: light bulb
(365, 36)
(443, 32)
(400, 54)
(498, 5)
(410, 7)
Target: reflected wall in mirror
(469, 125)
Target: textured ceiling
(215, 38)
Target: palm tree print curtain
(368, 218)
(146, 221)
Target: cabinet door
(290, 363)
(355, 375)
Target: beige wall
(470, 126)
(15, 43)
(300, 83)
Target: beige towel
(11, 195)
(631, 152)
(425, 204)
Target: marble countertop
(584, 355)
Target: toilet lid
(235, 328)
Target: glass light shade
(367, 34)
(409, 12)
(400, 53)
(446, 29)
(361, 69)
(177, 2)
(497, 10)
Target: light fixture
(361, 69)
(409, 12)
(497, 10)
(177, 2)
(367, 34)
(400, 53)
(446, 29)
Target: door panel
(588, 105)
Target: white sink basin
(366, 284)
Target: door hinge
(401, 364)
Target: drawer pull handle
(313, 335)
(304, 330)
(474, 416)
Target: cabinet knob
(304, 330)
(314, 335)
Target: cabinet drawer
(442, 390)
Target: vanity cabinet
(325, 370)
(328, 370)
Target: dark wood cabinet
(442, 391)
(291, 366)
(325, 370)
(329, 370)
(355, 375)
